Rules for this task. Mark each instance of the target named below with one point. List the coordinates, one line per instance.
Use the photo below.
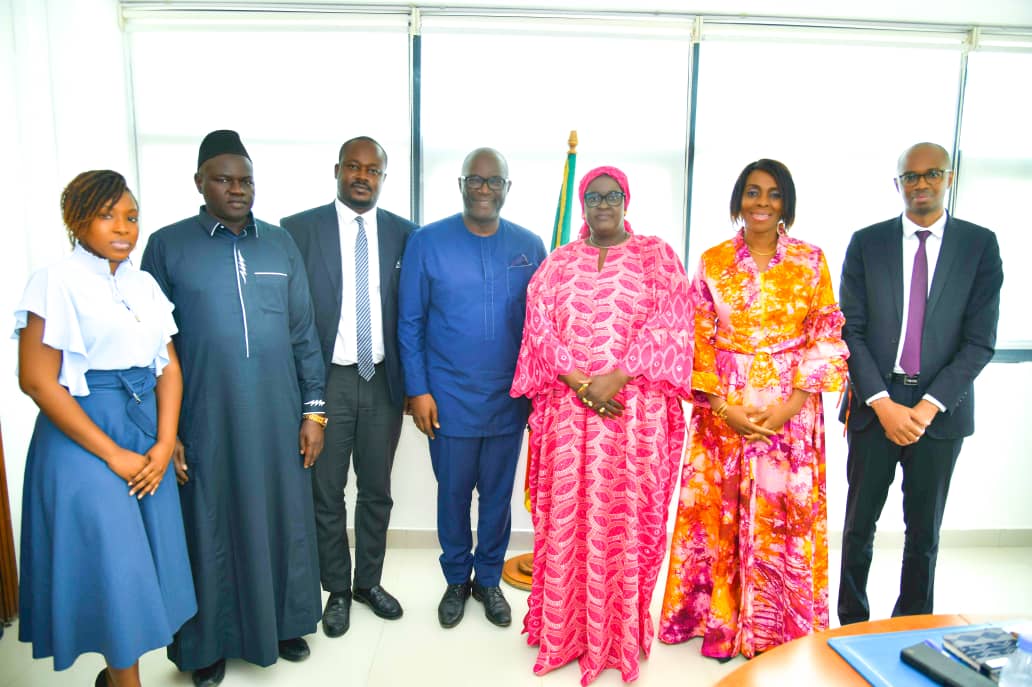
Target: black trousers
(871, 468)
(364, 425)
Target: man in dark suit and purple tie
(921, 296)
(352, 252)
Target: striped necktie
(363, 320)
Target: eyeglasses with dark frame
(932, 176)
(474, 182)
(593, 199)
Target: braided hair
(87, 196)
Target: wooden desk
(804, 660)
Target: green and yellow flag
(560, 236)
(561, 229)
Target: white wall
(64, 109)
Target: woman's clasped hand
(597, 393)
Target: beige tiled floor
(416, 651)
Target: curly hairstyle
(783, 179)
(86, 196)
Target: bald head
(486, 154)
(925, 147)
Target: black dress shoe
(496, 608)
(377, 598)
(210, 676)
(295, 649)
(453, 604)
(101, 680)
(336, 617)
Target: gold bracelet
(317, 418)
(721, 410)
(582, 387)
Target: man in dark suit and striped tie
(352, 252)
(921, 296)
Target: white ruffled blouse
(98, 320)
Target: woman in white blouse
(104, 562)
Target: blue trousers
(487, 464)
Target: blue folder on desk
(876, 656)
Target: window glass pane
(522, 94)
(294, 97)
(995, 175)
(837, 115)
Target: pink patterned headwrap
(617, 176)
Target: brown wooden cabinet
(8, 567)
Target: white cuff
(880, 394)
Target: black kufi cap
(221, 142)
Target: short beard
(354, 203)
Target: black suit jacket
(317, 235)
(960, 319)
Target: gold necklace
(758, 253)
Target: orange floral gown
(749, 556)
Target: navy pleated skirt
(101, 570)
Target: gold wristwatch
(317, 418)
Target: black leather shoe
(377, 598)
(496, 608)
(210, 676)
(453, 604)
(295, 649)
(336, 617)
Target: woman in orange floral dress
(749, 557)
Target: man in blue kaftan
(252, 369)
(462, 302)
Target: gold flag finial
(572, 142)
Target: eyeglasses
(932, 176)
(593, 199)
(474, 182)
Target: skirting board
(523, 540)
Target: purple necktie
(910, 359)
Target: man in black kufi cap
(221, 142)
(251, 424)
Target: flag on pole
(560, 236)
(561, 229)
